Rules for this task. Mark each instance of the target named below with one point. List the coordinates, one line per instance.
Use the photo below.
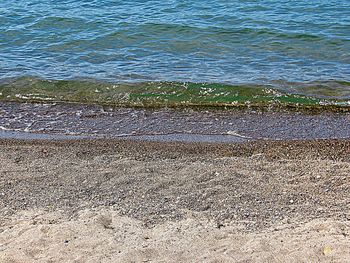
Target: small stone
(327, 250)
(219, 225)
(291, 201)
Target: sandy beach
(133, 201)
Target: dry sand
(120, 201)
(101, 235)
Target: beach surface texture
(136, 201)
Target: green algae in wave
(174, 94)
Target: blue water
(232, 42)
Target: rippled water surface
(284, 45)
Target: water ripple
(234, 42)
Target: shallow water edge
(79, 121)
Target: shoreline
(54, 121)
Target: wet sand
(133, 201)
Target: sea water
(176, 52)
